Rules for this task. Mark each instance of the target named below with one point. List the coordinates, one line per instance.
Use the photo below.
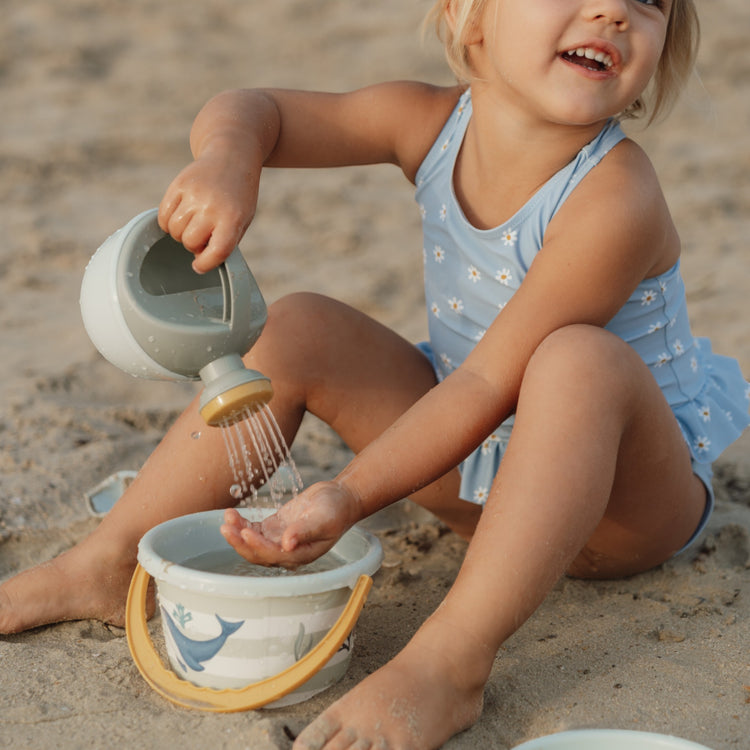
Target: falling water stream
(259, 457)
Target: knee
(582, 358)
(292, 326)
(293, 320)
(292, 311)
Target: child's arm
(612, 232)
(210, 204)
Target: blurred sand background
(96, 102)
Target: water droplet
(195, 435)
(256, 450)
(209, 348)
(151, 339)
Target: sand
(97, 100)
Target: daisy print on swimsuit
(648, 296)
(480, 495)
(504, 276)
(701, 444)
(488, 444)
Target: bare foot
(417, 701)
(86, 582)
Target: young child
(562, 417)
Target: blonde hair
(674, 68)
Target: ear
(457, 14)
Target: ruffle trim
(478, 470)
(718, 415)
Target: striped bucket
(226, 629)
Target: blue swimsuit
(470, 274)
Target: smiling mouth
(590, 58)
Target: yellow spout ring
(230, 405)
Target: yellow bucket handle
(184, 693)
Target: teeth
(592, 54)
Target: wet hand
(300, 532)
(208, 207)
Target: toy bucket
(236, 641)
(609, 739)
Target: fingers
(208, 229)
(210, 241)
(250, 543)
(300, 532)
(234, 519)
(260, 542)
(216, 247)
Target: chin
(580, 115)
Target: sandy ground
(97, 99)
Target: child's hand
(300, 532)
(208, 207)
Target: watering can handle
(253, 696)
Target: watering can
(150, 314)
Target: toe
(318, 734)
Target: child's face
(528, 51)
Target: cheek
(656, 50)
(650, 55)
(652, 67)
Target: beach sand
(97, 101)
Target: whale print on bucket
(224, 630)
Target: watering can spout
(151, 315)
(230, 389)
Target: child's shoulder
(422, 110)
(622, 203)
(628, 160)
(624, 181)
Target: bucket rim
(596, 738)
(224, 585)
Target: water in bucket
(228, 562)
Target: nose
(609, 11)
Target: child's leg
(596, 479)
(322, 356)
